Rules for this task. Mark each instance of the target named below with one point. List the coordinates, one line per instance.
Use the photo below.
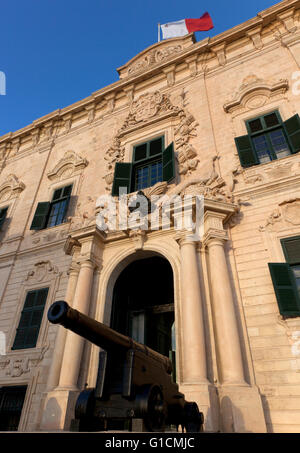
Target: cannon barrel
(99, 334)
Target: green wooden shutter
(285, 288)
(168, 162)
(31, 317)
(246, 152)
(291, 249)
(122, 177)
(40, 216)
(3, 213)
(292, 129)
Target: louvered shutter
(292, 129)
(122, 177)
(285, 288)
(168, 161)
(31, 318)
(40, 217)
(246, 152)
(3, 213)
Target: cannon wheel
(152, 408)
(193, 418)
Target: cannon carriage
(134, 383)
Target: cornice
(121, 86)
(268, 188)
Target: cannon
(134, 383)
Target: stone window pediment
(254, 93)
(69, 165)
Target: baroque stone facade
(236, 356)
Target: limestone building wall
(198, 95)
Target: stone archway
(143, 303)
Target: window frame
(59, 200)
(40, 220)
(146, 162)
(265, 131)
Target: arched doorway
(143, 304)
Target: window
(151, 163)
(286, 278)
(268, 139)
(49, 214)
(3, 214)
(31, 318)
(11, 404)
(147, 164)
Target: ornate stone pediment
(155, 55)
(11, 188)
(67, 166)
(254, 93)
(150, 107)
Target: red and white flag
(186, 26)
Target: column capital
(185, 237)
(215, 237)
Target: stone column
(240, 404)
(74, 343)
(227, 336)
(54, 372)
(193, 337)
(60, 402)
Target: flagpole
(158, 32)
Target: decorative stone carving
(15, 146)
(211, 187)
(287, 19)
(11, 188)
(15, 366)
(67, 166)
(278, 169)
(287, 214)
(85, 214)
(138, 238)
(41, 270)
(158, 189)
(170, 74)
(35, 134)
(110, 100)
(67, 120)
(146, 108)
(153, 57)
(91, 112)
(255, 36)
(219, 51)
(254, 93)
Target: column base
(206, 396)
(241, 410)
(59, 410)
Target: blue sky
(56, 52)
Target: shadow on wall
(52, 413)
(232, 420)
